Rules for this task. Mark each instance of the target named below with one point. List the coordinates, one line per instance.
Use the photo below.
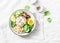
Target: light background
(51, 33)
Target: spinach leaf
(46, 13)
(49, 20)
(13, 24)
(27, 28)
(27, 7)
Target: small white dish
(38, 8)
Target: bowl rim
(27, 12)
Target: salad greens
(18, 13)
(27, 7)
(49, 20)
(27, 28)
(13, 24)
(47, 13)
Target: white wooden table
(50, 33)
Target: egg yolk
(30, 22)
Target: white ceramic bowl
(29, 13)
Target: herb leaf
(47, 13)
(27, 7)
(49, 20)
(13, 24)
(27, 28)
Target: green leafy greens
(27, 7)
(47, 13)
(13, 24)
(27, 28)
(18, 13)
(49, 20)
